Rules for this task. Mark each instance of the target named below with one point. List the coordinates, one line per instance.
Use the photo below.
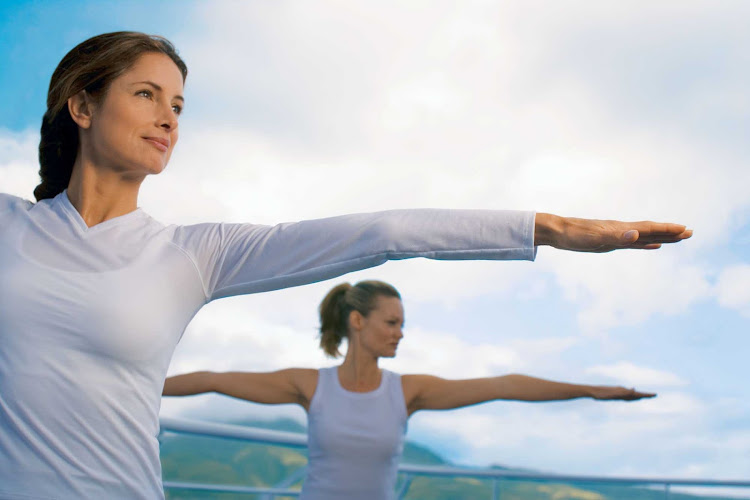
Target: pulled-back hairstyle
(90, 66)
(339, 302)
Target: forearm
(525, 388)
(189, 384)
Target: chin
(155, 170)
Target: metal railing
(407, 472)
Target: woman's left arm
(425, 392)
(235, 259)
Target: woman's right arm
(293, 385)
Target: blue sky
(628, 111)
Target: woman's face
(381, 329)
(133, 128)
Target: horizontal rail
(222, 488)
(298, 440)
(443, 471)
(228, 431)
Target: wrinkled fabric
(90, 317)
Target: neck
(359, 371)
(99, 195)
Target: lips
(160, 143)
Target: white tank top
(355, 439)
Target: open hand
(608, 392)
(591, 235)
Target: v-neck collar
(70, 211)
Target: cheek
(172, 142)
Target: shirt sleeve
(9, 203)
(235, 259)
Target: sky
(623, 110)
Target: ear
(81, 108)
(356, 320)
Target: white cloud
(676, 404)
(630, 374)
(623, 289)
(465, 107)
(344, 106)
(577, 437)
(18, 163)
(733, 288)
(451, 356)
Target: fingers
(651, 235)
(635, 395)
(623, 394)
(658, 232)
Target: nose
(167, 118)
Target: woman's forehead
(389, 305)
(155, 68)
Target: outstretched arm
(235, 259)
(293, 385)
(425, 392)
(592, 235)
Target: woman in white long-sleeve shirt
(95, 294)
(357, 412)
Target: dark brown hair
(339, 302)
(90, 66)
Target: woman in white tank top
(357, 412)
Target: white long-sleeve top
(90, 317)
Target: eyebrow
(158, 87)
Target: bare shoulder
(417, 380)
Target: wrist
(591, 391)
(547, 229)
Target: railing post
(292, 478)
(404, 487)
(666, 491)
(495, 489)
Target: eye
(145, 93)
(177, 109)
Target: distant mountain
(230, 462)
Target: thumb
(630, 236)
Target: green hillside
(222, 461)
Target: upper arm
(292, 385)
(426, 392)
